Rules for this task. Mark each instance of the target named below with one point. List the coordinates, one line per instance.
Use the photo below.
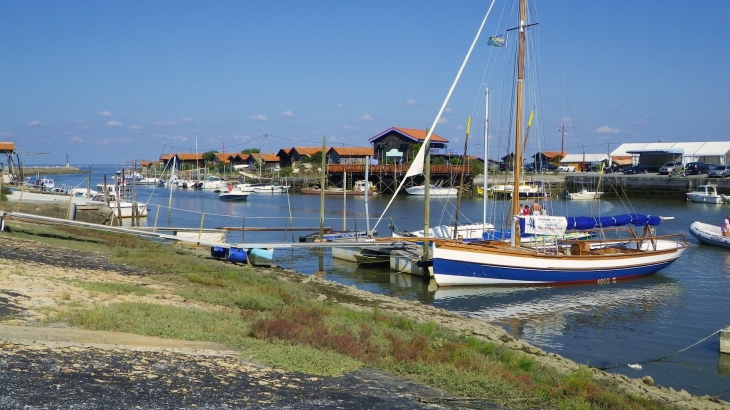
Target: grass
(116, 288)
(281, 323)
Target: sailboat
(634, 249)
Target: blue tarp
(591, 222)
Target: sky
(112, 82)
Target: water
(599, 325)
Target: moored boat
(495, 262)
(273, 188)
(709, 234)
(705, 194)
(434, 191)
(585, 194)
(234, 194)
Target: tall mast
(518, 119)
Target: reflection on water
(542, 315)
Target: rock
(647, 380)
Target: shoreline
(47, 284)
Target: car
(613, 169)
(668, 168)
(720, 171)
(566, 168)
(636, 169)
(696, 168)
(540, 167)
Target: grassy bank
(281, 319)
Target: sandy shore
(34, 277)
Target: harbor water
(649, 320)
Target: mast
(518, 122)
(486, 158)
(461, 179)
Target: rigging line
(661, 359)
(419, 160)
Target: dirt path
(34, 278)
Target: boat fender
(424, 264)
(237, 255)
(218, 252)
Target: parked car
(668, 168)
(696, 168)
(540, 167)
(566, 168)
(720, 171)
(636, 169)
(504, 167)
(613, 169)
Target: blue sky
(112, 82)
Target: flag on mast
(497, 41)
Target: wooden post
(157, 215)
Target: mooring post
(202, 219)
(725, 339)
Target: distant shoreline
(50, 170)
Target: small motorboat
(709, 234)
(705, 193)
(585, 194)
(234, 194)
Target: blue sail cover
(590, 222)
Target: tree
(251, 151)
(315, 158)
(209, 156)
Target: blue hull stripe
(502, 273)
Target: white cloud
(105, 141)
(78, 138)
(287, 114)
(164, 123)
(607, 130)
(34, 123)
(105, 114)
(349, 127)
(443, 120)
(367, 117)
(448, 110)
(113, 124)
(125, 139)
(567, 121)
(135, 127)
(459, 128)
(411, 102)
(5, 134)
(258, 117)
(186, 120)
(170, 137)
(340, 105)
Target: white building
(654, 154)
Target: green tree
(315, 158)
(209, 156)
(251, 151)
